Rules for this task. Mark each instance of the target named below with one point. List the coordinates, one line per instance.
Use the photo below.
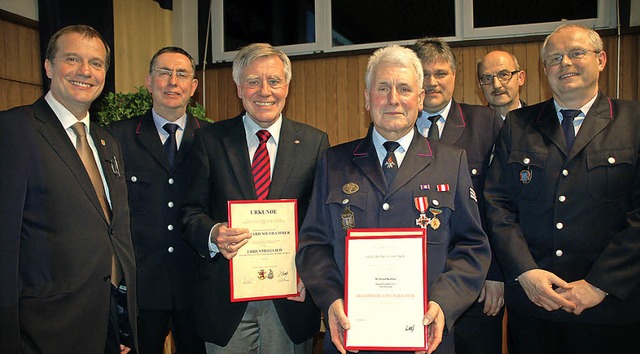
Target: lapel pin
(103, 142)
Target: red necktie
(261, 166)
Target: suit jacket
(458, 251)
(166, 263)
(56, 243)
(475, 129)
(577, 215)
(225, 174)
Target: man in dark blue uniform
(458, 250)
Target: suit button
(385, 206)
(565, 173)
(107, 278)
(170, 181)
(134, 179)
(170, 227)
(170, 249)
(435, 202)
(474, 171)
(345, 201)
(562, 198)
(611, 160)
(170, 204)
(559, 253)
(526, 161)
(559, 226)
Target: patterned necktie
(89, 162)
(171, 144)
(567, 125)
(434, 131)
(390, 164)
(261, 166)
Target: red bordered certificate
(386, 289)
(265, 267)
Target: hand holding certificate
(264, 268)
(386, 289)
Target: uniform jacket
(458, 251)
(574, 213)
(167, 265)
(55, 243)
(224, 173)
(475, 129)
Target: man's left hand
(493, 296)
(434, 320)
(303, 293)
(583, 294)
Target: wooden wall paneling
(14, 94)
(3, 51)
(330, 116)
(12, 52)
(358, 102)
(308, 80)
(607, 81)
(4, 102)
(630, 67)
(340, 130)
(29, 55)
(536, 76)
(322, 84)
(520, 51)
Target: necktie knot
(170, 128)
(391, 146)
(434, 131)
(568, 115)
(263, 136)
(79, 130)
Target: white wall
(24, 8)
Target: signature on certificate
(283, 275)
(408, 328)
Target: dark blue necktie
(390, 164)
(568, 116)
(171, 145)
(434, 131)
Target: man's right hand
(538, 285)
(338, 323)
(229, 240)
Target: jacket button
(474, 171)
(170, 249)
(562, 199)
(170, 204)
(565, 173)
(385, 206)
(559, 253)
(171, 181)
(611, 160)
(134, 179)
(559, 226)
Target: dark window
(278, 22)
(490, 13)
(371, 21)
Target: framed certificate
(265, 268)
(386, 289)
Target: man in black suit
(225, 150)
(458, 249)
(474, 129)
(65, 240)
(157, 150)
(563, 204)
(500, 79)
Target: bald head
(500, 78)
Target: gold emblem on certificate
(350, 188)
(422, 203)
(435, 222)
(347, 218)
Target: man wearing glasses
(563, 209)
(475, 129)
(157, 150)
(500, 79)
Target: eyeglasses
(504, 76)
(165, 74)
(576, 54)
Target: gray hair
(247, 55)
(430, 50)
(177, 50)
(594, 37)
(394, 54)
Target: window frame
(464, 30)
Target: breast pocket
(527, 168)
(346, 211)
(139, 189)
(610, 173)
(436, 216)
